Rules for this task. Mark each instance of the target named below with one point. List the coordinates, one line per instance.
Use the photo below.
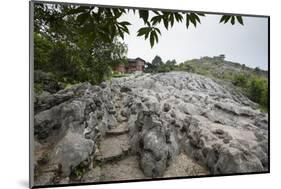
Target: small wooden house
(134, 65)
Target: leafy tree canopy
(104, 23)
(157, 61)
(79, 43)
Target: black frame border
(31, 116)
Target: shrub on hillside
(258, 91)
(240, 80)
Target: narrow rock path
(114, 145)
(184, 166)
(141, 126)
(114, 160)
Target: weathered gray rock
(65, 180)
(113, 147)
(166, 107)
(112, 122)
(125, 112)
(120, 129)
(232, 160)
(152, 118)
(103, 85)
(220, 119)
(54, 122)
(45, 179)
(183, 166)
(46, 101)
(155, 146)
(125, 89)
(224, 149)
(124, 169)
(71, 151)
(94, 175)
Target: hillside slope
(222, 68)
(147, 126)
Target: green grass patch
(118, 75)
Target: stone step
(121, 118)
(125, 169)
(113, 148)
(183, 166)
(120, 129)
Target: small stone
(125, 89)
(93, 175)
(219, 131)
(103, 85)
(112, 111)
(65, 180)
(166, 107)
(226, 140)
(173, 114)
(45, 179)
(113, 147)
(120, 129)
(121, 118)
(125, 113)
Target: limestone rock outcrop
(144, 124)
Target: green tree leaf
(121, 33)
(151, 39)
(155, 35)
(171, 19)
(144, 14)
(81, 18)
(143, 31)
(187, 21)
(200, 14)
(124, 23)
(233, 20)
(117, 13)
(76, 10)
(158, 30)
(178, 17)
(195, 17)
(240, 20)
(166, 23)
(225, 18)
(192, 19)
(146, 35)
(156, 19)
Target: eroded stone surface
(126, 169)
(120, 129)
(183, 166)
(141, 125)
(113, 147)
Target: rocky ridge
(147, 126)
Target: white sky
(246, 44)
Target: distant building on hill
(220, 57)
(134, 65)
